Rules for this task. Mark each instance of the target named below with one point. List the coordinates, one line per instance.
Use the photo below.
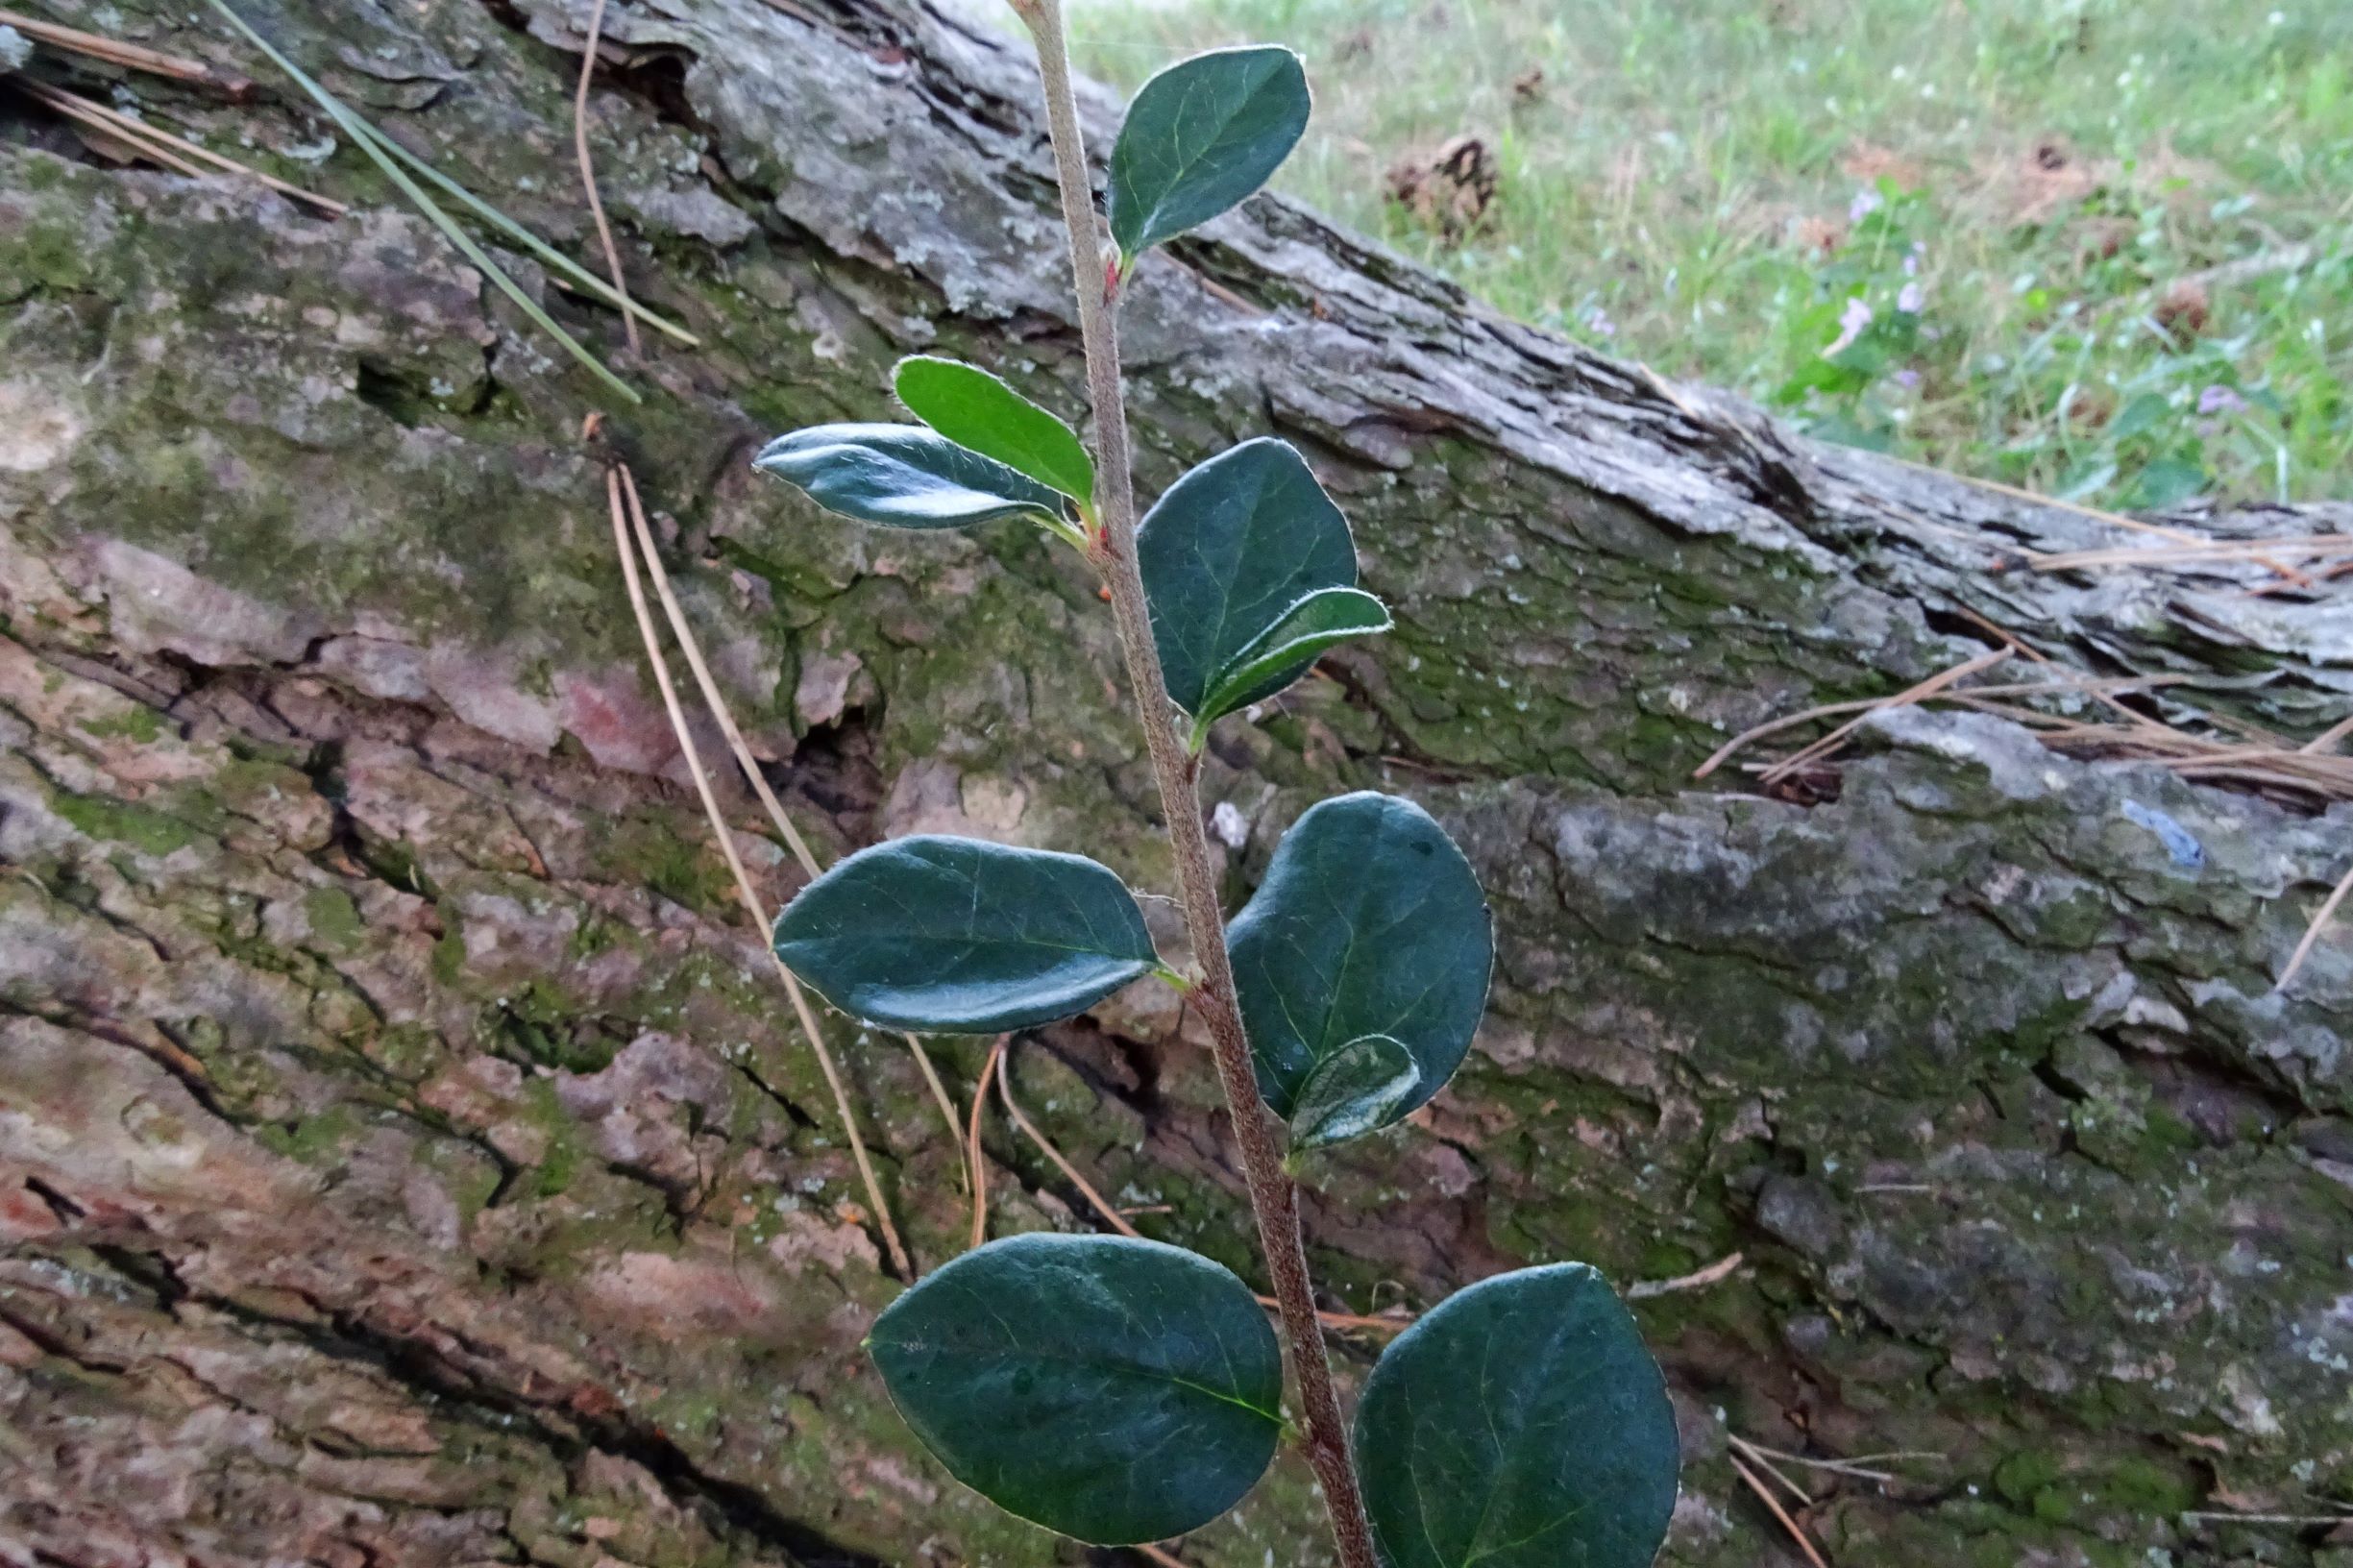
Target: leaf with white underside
(1285, 650)
(1227, 552)
(1521, 1424)
(1114, 1389)
(961, 935)
(1199, 138)
(1355, 1091)
(976, 410)
(1369, 923)
(905, 476)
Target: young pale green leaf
(1520, 1425)
(1229, 552)
(1115, 1390)
(1369, 923)
(974, 410)
(1200, 136)
(904, 476)
(1285, 650)
(1355, 1091)
(963, 936)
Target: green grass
(1684, 189)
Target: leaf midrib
(1142, 1373)
(1180, 170)
(980, 944)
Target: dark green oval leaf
(975, 409)
(1286, 649)
(1227, 552)
(1113, 1389)
(1520, 1425)
(904, 476)
(1355, 1091)
(959, 936)
(1369, 923)
(1200, 136)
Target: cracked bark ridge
(404, 1158)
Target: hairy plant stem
(1273, 1197)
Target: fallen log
(405, 1157)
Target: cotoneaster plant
(1123, 1391)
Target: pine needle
(2053, 688)
(1905, 699)
(2312, 933)
(1070, 1172)
(130, 56)
(588, 174)
(2257, 552)
(1723, 1269)
(2114, 520)
(357, 129)
(574, 274)
(744, 889)
(1765, 1495)
(750, 766)
(1763, 1461)
(171, 151)
(972, 1139)
(2313, 772)
(1118, 1221)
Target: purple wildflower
(1851, 323)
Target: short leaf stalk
(1274, 1197)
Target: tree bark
(405, 1157)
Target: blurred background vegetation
(2103, 248)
